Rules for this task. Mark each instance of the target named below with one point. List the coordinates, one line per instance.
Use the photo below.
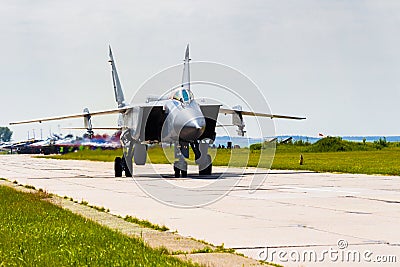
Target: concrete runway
(293, 214)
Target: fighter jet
(175, 118)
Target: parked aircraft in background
(175, 118)
(55, 144)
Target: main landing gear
(205, 168)
(121, 165)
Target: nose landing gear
(201, 158)
(180, 167)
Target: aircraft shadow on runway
(213, 176)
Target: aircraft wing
(80, 115)
(251, 113)
(93, 128)
(237, 117)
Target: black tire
(118, 167)
(207, 170)
(177, 172)
(128, 172)
(126, 168)
(184, 174)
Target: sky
(335, 62)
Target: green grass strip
(34, 232)
(146, 223)
(385, 161)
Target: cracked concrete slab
(292, 210)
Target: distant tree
(381, 143)
(5, 134)
(256, 146)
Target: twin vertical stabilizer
(186, 70)
(119, 94)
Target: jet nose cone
(193, 129)
(195, 123)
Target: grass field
(386, 162)
(34, 232)
(356, 157)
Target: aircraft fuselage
(184, 121)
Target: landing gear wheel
(180, 167)
(128, 173)
(206, 169)
(177, 172)
(126, 168)
(118, 167)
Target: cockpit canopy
(183, 95)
